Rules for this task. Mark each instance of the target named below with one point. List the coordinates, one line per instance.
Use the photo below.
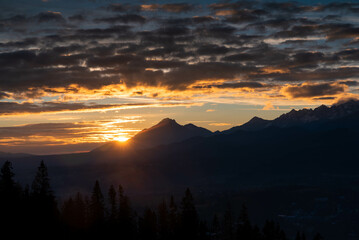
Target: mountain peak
(167, 121)
(256, 119)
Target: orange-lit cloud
(226, 12)
(219, 124)
(60, 134)
(269, 106)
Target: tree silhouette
(35, 213)
(244, 228)
(173, 220)
(163, 221)
(147, 225)
(189, 217)
(10, 205)
(74, 213)
(216, 227)
(113, 204)
(7, 182)
(44, 210)
(97, 206)
(272, 231)
(228, 224)
(318, 237)
(41, 184)
(126, 223)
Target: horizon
(78, 74)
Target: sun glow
(121, 139)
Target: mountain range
(308, 146)
(168, 131)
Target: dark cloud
(324, 98)
(286, 7)
(118, 7)
(320, 74)
(127, 18)
(50, 17)
(43, 129)
(212, 49)
(341, 6)
(253, 85)
(236, 5)
(15, 108)
(340, 31)
(4, 95)
(257, 42)
(349, 54)
(27, 42)
(298, 31)
(349, 83)
(77, 18)
(203, 19)
(177, 7)
(314, 90)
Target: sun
(121, 139)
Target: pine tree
(202, 231)
(228, 224)
(216, 228)
(125, 218)
(44, 207)
(9, 198)
(244, 228)
(73, 213)
(298, 236)
(147, 225)
(97, 206)
(41, 185)
(163, 221)
(7, 183)
(113, 204)
(173, 219)
(318, 237)
(303, 236)
(189, 217)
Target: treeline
(32, 212)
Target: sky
(76, 74)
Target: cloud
(44, 138)
(171, 8)
(127, 18)
(210, 110)
(50, 16)
(234, 85)
(77, 18)
(253, 46)
(219, 124)
(310, 90)
(8, 108)
(118, 7)
(15, 108)
(269, 106)
(177, 7)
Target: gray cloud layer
(177, 45)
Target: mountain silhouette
(320, 114)
(318, 118)
(308, 146)
(167, 131)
